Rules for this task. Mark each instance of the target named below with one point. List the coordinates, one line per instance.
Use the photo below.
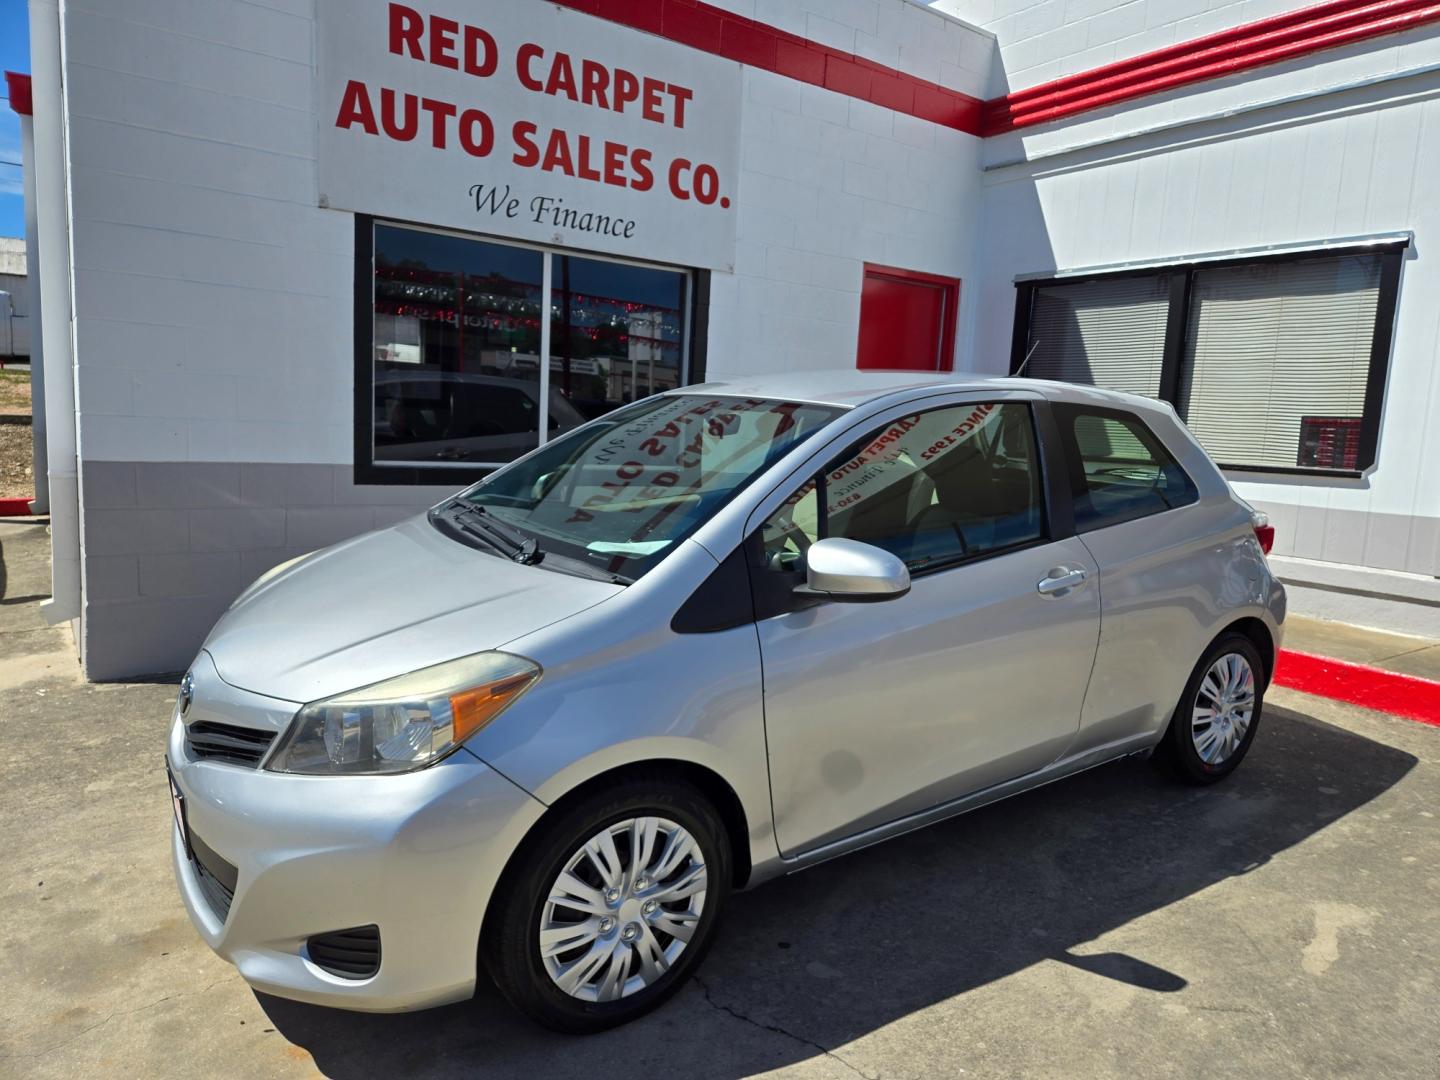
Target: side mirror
(840, 569)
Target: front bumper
(416, 854)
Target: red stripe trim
(1240, 48)
(1228, 52)
(18, 87)
(747, 41)
(756, 44)
(15, 507)
(1384, 691)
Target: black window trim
(1075, 464)
(366, 470)
(1182, 276)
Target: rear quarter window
(1119, 468)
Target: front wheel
(1219, 712)
(611, 906)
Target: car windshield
(618, 494)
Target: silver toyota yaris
(716, 636)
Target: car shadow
(813, 961)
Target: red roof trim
(1240, 48)
(18, 86)
(1228, 52)
(715, 30)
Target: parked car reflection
(459, 416)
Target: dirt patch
(17, 476)
(14, 393)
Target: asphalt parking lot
(1285, 923)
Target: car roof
(849, 388)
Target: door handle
(1060, 579)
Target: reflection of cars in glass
(528, 734)
(457, 416)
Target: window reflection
(457, 348)
(457, 344)
(617, 332)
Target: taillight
(1264, 531)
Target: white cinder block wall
(829, 183)
(213, 299)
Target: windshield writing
(622, 491)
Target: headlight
(403, 723)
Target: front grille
(350, 954)
(216, 877)
(227, 743)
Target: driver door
(876, 711)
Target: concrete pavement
(1404, 654)
(1285, 923)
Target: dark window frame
(366, 470)
(1392, 254)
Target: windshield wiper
(476, 521)
(566, 565)
(511, 542)
(447, 522)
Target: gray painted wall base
(168, 545)
(1378, 599)
(1354, 538)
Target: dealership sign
(530, 121)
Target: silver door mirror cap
(840, 569)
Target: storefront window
(1277, 361)
(617, 333)
(1276, 364)
(456, 377)
(1107, 332)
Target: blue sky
(14, 56)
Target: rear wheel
(611, 907)
(1218, 713)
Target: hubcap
(1224, 706)
(600, 940)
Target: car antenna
(1020, 371)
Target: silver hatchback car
(716, 636)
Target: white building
(14, 302)
(291, 254)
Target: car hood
(384, 604)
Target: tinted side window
(509, 412)
(932, 488)
(1119, 470)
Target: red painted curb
(1385, 691)
(15, 507)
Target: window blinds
(1274, 348)
(1109, 332)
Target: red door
(907, 320)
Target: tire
(588, 939)
(1201, 752)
